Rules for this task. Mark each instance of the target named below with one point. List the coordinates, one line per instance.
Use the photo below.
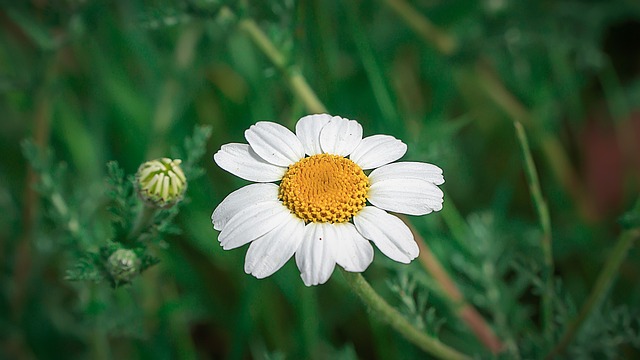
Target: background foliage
(94, 81)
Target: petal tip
(312, 282)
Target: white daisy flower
(325, 208)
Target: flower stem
(441, 40)
(391, 316)
(600, 289)
(297, 82)
(545, 222)
(465, 311)
(142, 220)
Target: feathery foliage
(533, 256)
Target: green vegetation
(532, 109)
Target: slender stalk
(442, 41)
(302, 89)
(555, 154)
(99, 341)
(465, 311)
(545, 223)
(297, 82)
(600, 289)
(145, 215)
(163, 119)
(391, 316)
(500, 95)
(263, 42)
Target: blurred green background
(126, 80)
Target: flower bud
(161, 182)
(123, 265)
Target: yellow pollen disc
(324, 188)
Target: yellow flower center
(324, 188)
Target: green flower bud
(123, 265)
(161, 182)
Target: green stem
(600, 289)
(391, 316)
(545, 222)
(145, 215)
(441, 40)
(302, 89)
(100, 349)
(554, 152)
(464, 310)
(297, 82)
(99, 344)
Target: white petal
(244, 197)
(314, 257)
(340, 136)
(390, 234)
(274, 143)
(242, 161)
(252, 222)
(350, 249)
(408, 170)
(378, 150)
(407, 196)
(271, 251)
(308, 131)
